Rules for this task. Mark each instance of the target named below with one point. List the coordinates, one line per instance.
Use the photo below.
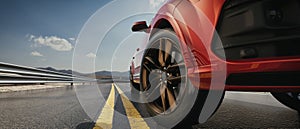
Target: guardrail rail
(16, 74)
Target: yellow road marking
(105, 119)
(135, 119)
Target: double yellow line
(105, 120)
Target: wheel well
(162, 24)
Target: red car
(197, 47)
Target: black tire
(289, 99)
(134, 86)
(178, 103)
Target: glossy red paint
(195, 24)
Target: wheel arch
(162, 23)
(168, 21)
(178, 24)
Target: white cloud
(155, 4)
(72, 39)
(56, 43)
(30, 37)
(35, 53)
(91, 55)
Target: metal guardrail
(16, 74)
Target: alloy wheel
(163, 75)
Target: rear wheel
(170, 96)
(290, 99)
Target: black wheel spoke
(163, 98)
(176, 67)
(171, 97)
(154, 92)
(176, 79)
(151, 61)
(167, 52)
(146, 67)
(161, 53)
(175, 92)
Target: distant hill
(99, 74)
(110, 75)
(61, 71)
(114, 73)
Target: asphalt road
(61, 108)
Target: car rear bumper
(281, 74)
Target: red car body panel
(195, 24)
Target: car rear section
(261, 41)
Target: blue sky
(42, 33)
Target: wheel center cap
(164, 76)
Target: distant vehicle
(260, 40)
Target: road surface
(61, 108)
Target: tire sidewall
(287, 100)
